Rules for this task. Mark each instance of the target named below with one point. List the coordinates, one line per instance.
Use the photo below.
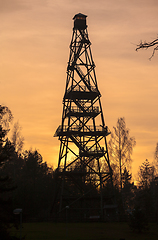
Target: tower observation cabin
(83, 165)
(80, 21)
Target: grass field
(83, 231)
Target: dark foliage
(34, 181)
(6, 184)
(138, 221)
(27, 182)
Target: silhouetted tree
(156, 158)
(120, 151)
(121, 148)
(145, 174)
(27, 171)
(156, 152)
(147, 45)
(128, 190)
(5, 118)
(16, 138)
(6, 184)
(34, 185)
(145, 194)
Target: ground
(83, 231)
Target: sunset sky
(34, 48)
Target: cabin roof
(79, 15)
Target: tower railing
(61, 130)
(87, 110)
(81, 88)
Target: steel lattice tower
(83, 165)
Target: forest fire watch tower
(83, 165)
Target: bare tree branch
(147, 45)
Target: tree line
(27, 182)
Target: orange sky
(34, 46)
